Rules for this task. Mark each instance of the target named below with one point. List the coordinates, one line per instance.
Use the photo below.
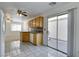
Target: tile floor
(18, 49)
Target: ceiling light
(8, 17)
(17, 14)
(20, 14)
(8, 20)
(52, 3)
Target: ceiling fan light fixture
(17, 14)
(20, 14)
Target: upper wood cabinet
(41, 21)
(37, 22)
(33, 23)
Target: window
(17, 23)
(16, 27)
(25, 26)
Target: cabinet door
(33, 23)
(41, 21)
(34, 39)
(39, 39)
(24, 36)
(31, 37)
(37, 22)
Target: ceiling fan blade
(24, 14)
(21, 12)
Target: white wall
(26, 28)
(59, 9)
(45, 30)
(9, 35)
(25, 25)
(2, 43)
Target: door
(52, 29)
(62, 32)
(58, 33)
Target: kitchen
(35, 31)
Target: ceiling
(33, 8)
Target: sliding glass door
(62, 32)
(52, 29)
(57, 32)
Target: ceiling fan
(20, 12)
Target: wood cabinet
(36, 22)
(25, 37)
(41, 21)
(37, 38)
(33, 23)
(36, 25)
(34, 39)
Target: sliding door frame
(70, 34)
(57, 33)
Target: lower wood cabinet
(25, 36)
(39, 38)
(36, 38)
